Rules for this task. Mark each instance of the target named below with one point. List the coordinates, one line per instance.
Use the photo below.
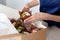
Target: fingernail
(24, 21)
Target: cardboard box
(40, 35)
(12, 13)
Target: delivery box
(40, 35)
(11, 33)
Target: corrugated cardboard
(40, 35)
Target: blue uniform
(50, 7)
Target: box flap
(10, 12)
(5, 26)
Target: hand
(25, 9)
(36, 17)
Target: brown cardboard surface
(36, 36)
(8, 36)
(40, 35)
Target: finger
(32, 20)
(28, 19)
(21, 9)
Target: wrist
(49, 17)
(44, 16)
(28, 6)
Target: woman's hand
(36, 17)
(25, 9)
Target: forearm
(32, 3)
(53, 18)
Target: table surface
(53, 33)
